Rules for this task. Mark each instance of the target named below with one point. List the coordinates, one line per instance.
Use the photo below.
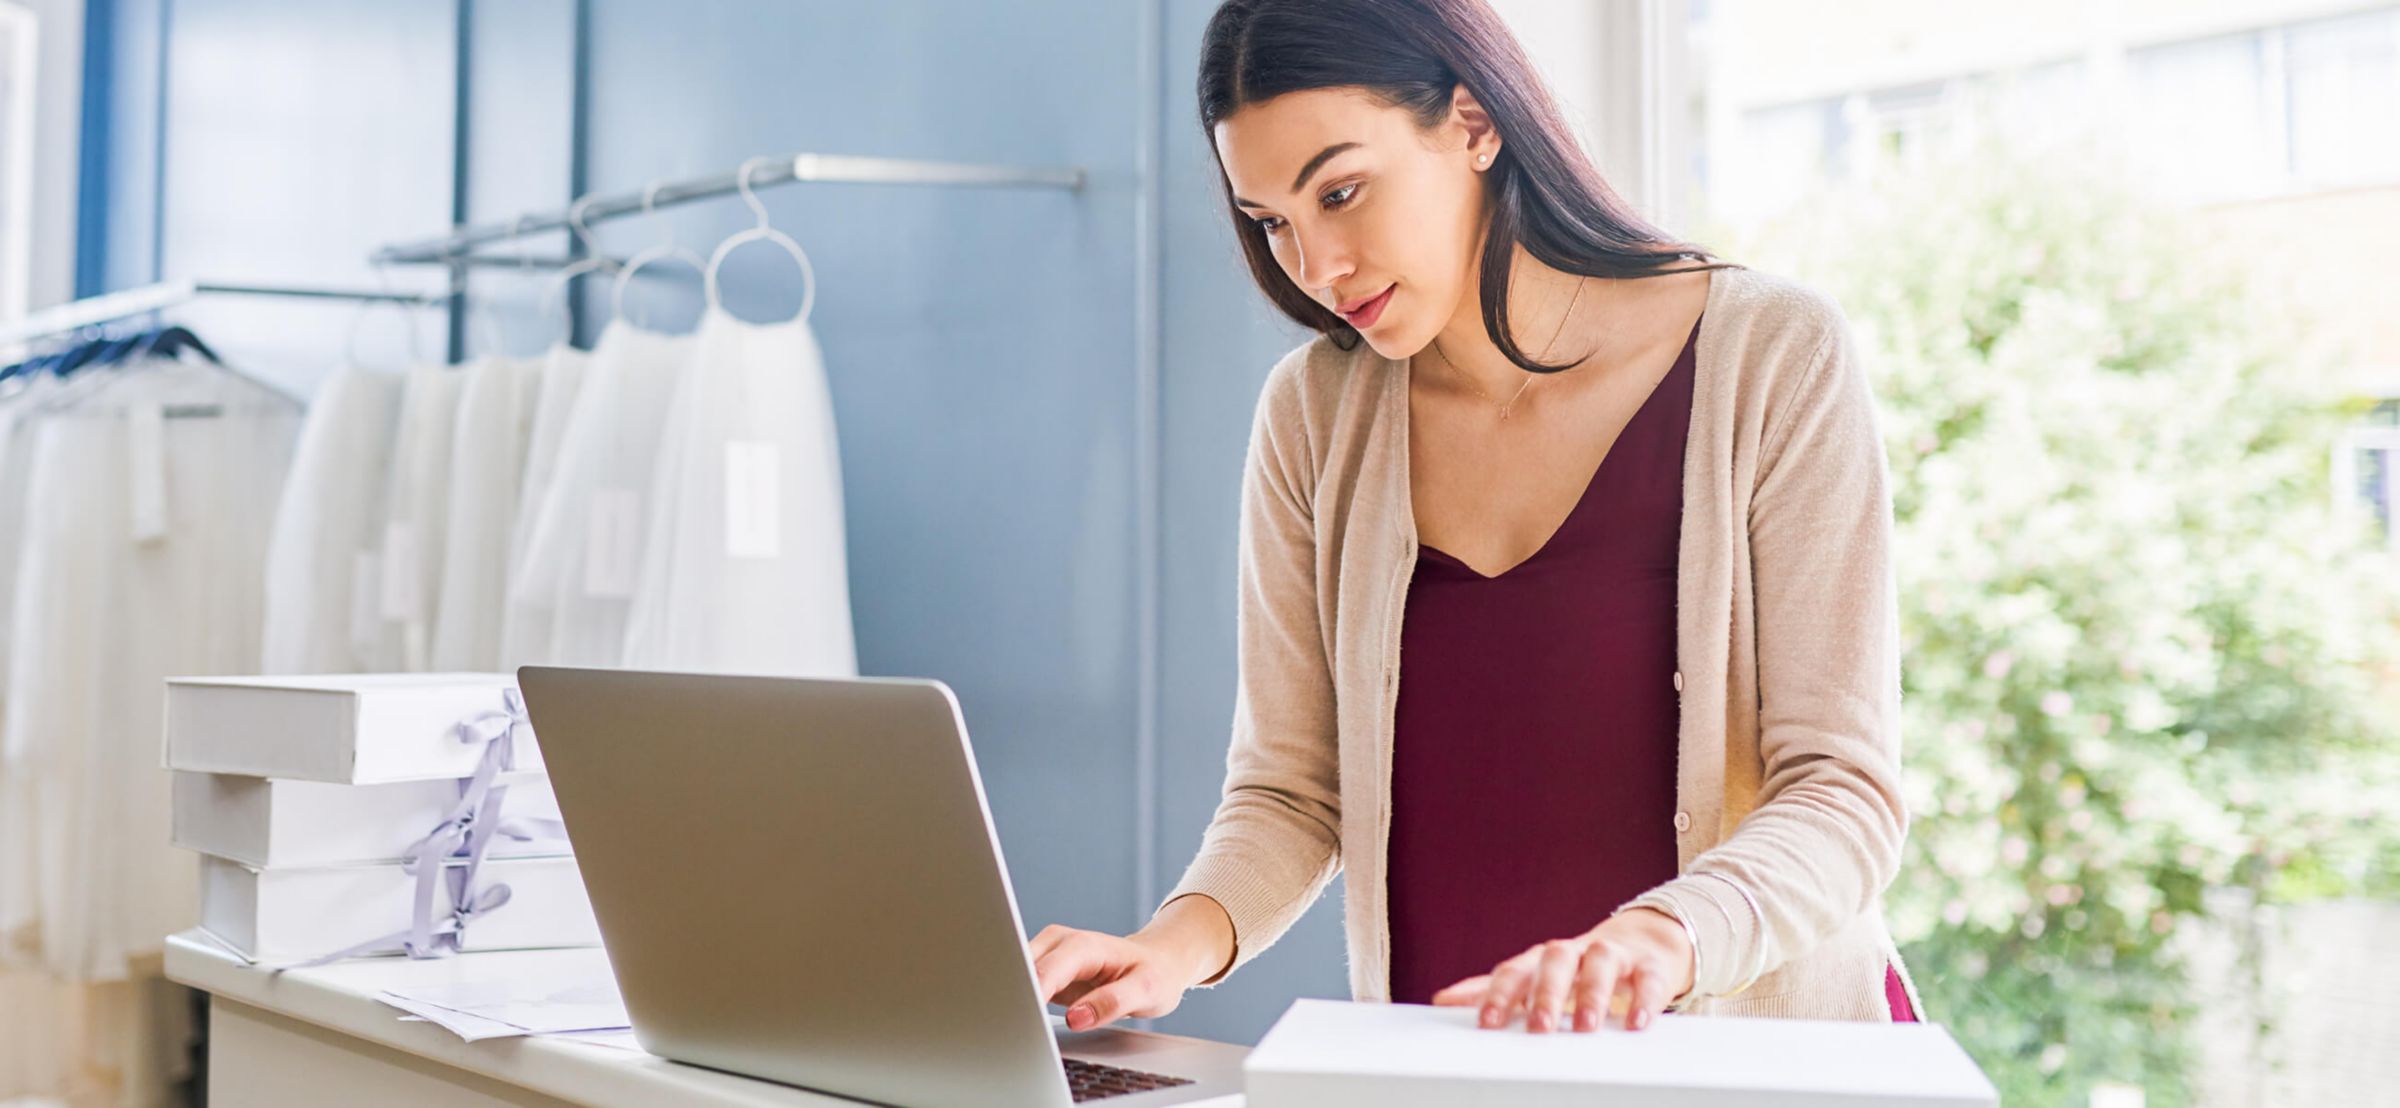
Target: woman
(1643, 754)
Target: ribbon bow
(466, 831)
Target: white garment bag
(487, 466)
(525, 628)
(584, 553)
(323, 612)
(745, 567)
(409, 571)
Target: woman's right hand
(1101, 977)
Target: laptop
(797, 879)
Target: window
(2345, 99)
(1782, 152)
(2203, 123)
(2367, 469)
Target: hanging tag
(146, 460)
(612, 543)
(399, 601)
(753, 499)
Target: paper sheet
(526, 1004)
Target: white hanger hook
(496, 331)
(741, 180)
(383, 283)
(524, 248)
(716, 262)
(554, 299)
(650, 202)
(575, 223)
(666, 249)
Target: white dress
(32, 1052)
(745, 570)
(144, 545)
(525, 629)
(416, 512)
(585, 549)
(321, 614)
(19, 881)
(487, 468)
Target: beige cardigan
(1790, 818)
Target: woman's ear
(1467, 117)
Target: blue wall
(1043, 396)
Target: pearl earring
(1482, 158)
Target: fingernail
(1491, 1017)
(1641, 1019)
(1584, 1019)
(1079, 1017)
(1541, 1020)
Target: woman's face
(1354, 200)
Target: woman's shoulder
(1777, 345)
(1760, 314)
(1314, 384)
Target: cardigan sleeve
(1275, 839)
(1825, 838)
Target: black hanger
(172, 341)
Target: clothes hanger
(765, 231)
(383, 282)
(171, 342)
(593, 260)
(100, 352)
(666, 249)
(495, 332)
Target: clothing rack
(94, 310)
(452, 248)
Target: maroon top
(1533, 776)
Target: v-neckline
(1691, 343)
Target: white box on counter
(351, 729)
(273, 823)
(1344, 1054)
(282, 916)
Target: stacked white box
(281, 916)
(1344, 1054)
(351, 729)
(303, 795)
(277, 823)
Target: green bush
(2143, 655)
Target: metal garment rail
(778, 169)
(94, 310)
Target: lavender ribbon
(467, 830)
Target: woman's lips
(1369, 312)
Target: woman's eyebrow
(1306, 171)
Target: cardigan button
(1679, 680)
(1683, 821)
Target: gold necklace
(1545, 354)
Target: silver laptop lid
(798, 879)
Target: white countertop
(341, 997)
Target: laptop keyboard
(1092, 1081)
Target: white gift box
(282, 916)
(1343, 1054)
(353, 729)
(272, 823)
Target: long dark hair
(1411, 54)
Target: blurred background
(2122, 268)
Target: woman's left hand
(1639, 958)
